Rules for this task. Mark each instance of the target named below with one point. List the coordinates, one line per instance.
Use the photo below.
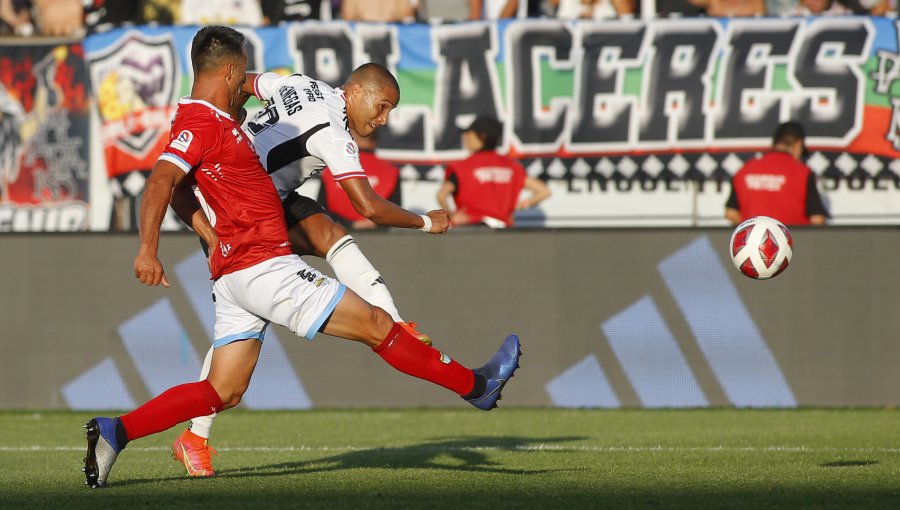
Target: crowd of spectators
(68, 18)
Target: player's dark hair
(788, 133)
(374, 74)
(213, 45)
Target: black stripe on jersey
(292, 150)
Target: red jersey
(487, 185)
(774, 185)
(383, 176)
(236, 193)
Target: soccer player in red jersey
(778, 184)
(486, 186)
(257, 278)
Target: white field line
(521, 448)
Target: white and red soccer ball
(761, 247)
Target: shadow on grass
(849, 463)
(457, 454)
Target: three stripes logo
(654, 364)
(164, 356)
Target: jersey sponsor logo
(182, 141)
(496, 174)
(351, 151)
(765, 182)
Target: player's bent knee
(380, 325)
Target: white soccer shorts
(284, 290)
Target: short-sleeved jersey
(234, 190)
(383, 176)
(302, 129)
(776, 185)
(487, 185)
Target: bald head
(373, 76)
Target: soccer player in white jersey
(305, 126)
(257, 278)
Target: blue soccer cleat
(497, 372)
(102, 450)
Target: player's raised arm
(157, 194)
(386, 213)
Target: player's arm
(186, 206)
(443, 196)
(157, 194)
(732, 208)
(539, 192)
(383, 212)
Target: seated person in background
(383, 176)
(819, 8)
(732, 8)
(221, 12)
(388, 11)
(486, 186)
(778, 185)
(593, 9)
(15, 18)
(676, 8)
(448, 10)
(276, 11)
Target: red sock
(406, 353)
(171, 407)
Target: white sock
(354, 270)
(202, 425)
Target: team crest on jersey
(182, 141)
(351, 151)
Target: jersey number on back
(266, 118)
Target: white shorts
(284, 290)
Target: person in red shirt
(257, 279)
(382, 175)
(778, 184)
(486, 186)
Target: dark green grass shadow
(470, 454)
(849, 463)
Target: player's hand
(149, 270)
(440, 221)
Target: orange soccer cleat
(194, 452)
(410, 328)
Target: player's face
(370, 107)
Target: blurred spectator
(593, 9)
(277, 11)
(448, 10)
(677, 8)
(819, 8)
(15, 18)
(778, 184)
(58, 18)
(383, 176)
(872, 7)
(103, 15)
(501, 9)
(388, 11)
(732, 8)
(486, 186)
(163, 12)
(781, 7)
(221, 12)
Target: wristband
(427, 226)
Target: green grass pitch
(508, 458)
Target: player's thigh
(356, 319)
(322, 232)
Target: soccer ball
(761, 247)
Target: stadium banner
(631, 123)
(44, 137)
(646, 317)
